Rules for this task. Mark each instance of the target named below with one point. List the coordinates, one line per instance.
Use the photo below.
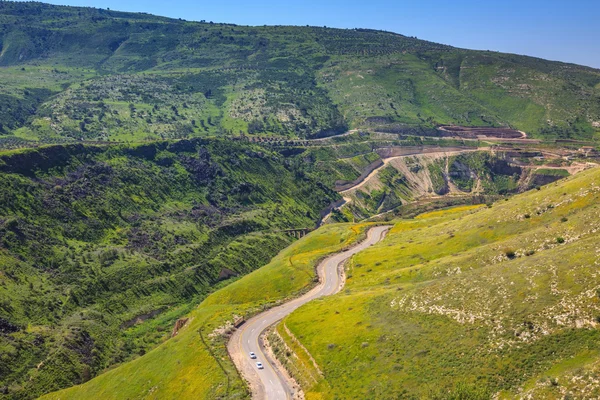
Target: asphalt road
(269, 383)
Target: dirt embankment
(426, 154)
(474, 132)
(341, 186)
(388, 152)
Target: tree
(256, 126)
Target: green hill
(73, 73)
(194, 364)
(466, 304)
(126, 206)
(102, 249)
(463, 303)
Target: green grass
(552, 172)
(183, 367)
(494, 173)
(94, 237)
(438, 180)
(437, 309)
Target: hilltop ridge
(74, 73)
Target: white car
(252, 355)
(259, 365)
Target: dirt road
(269, 383)
(350, 132)
(386, 161)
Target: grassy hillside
(103, 248)
(80, 73)
(468, 303)
(194, 364)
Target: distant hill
(71, 73)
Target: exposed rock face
(180, 323)
(226, 273)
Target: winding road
(269, 383)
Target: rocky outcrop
(180, 323)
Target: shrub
(510, 253)
(560, 240)
(462, 391)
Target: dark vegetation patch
(544, 176)
(474, 132)
(495, 175)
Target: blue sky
(565, 30)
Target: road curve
(268, 383)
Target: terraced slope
(437, 177)
(79, 73)
(466, 303)
(194, 364)
(103, 248)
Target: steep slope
(81, 73)
(428, 177)
(467, 303)
(194, 364)
(103, 248)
